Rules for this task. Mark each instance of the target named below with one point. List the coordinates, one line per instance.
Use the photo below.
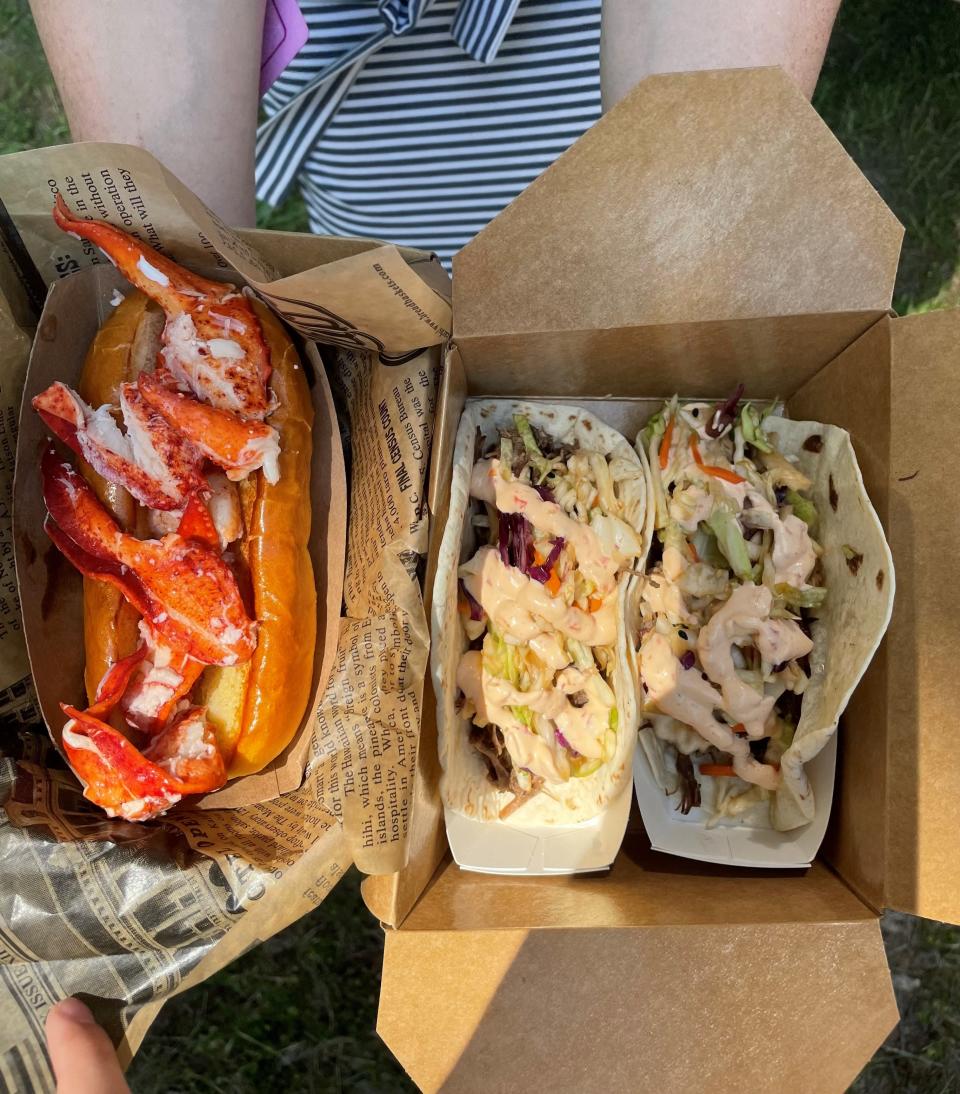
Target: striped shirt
(418, 121)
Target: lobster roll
(185, 504)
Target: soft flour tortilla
(855, 614)
(464, 785)
(851, 622)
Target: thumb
(82, 1055)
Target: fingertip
(71, 1010)
(82, 1054)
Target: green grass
(298, 1013)
(291, 216)
(295, 1014)
(923, 1052)
(30, 111)
(890, 90)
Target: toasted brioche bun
(254, 708)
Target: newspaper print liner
(858, 572)
(127, 915)
(464, 786)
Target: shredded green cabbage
(500, 658)
(537, 458)
(811, 597)
(654, 428)
(730, 540)
(803, 507)
(587, 769)
(750, 423)
(582, 656)
(784, 732)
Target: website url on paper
(399, 291)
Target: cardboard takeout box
(708, 230)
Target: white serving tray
(731, 843)
(506, 847)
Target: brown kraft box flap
(773, 1007)
(897, 390)
(740, 202)
(748, 223)
(923, 764)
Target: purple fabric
(284, 35)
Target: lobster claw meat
(158, 466)
(182, 759)
(182, 587)
(160, 679)
(237, 446)
(212, 342)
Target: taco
(769, 585)
(537, 715)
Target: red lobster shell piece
(181, 759)
(212, 342)
(182, 587)
(159, 467)
(123, 781)
(237, 446)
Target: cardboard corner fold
(730, 179)
(450, 1003)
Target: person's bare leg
(177, 77)
(643, 37)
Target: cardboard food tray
(732, 843)
(492, 848)
(515, 845)
(516, 849)
(51, 591)
(756, 251)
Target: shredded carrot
(595, 499)
(739, 728)
(718, 770)
(538, 558)
(693, 552)
(717, 472)
(595, 603)
(462, 606)
(553, 582)
(665, 445)
(723, 473)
